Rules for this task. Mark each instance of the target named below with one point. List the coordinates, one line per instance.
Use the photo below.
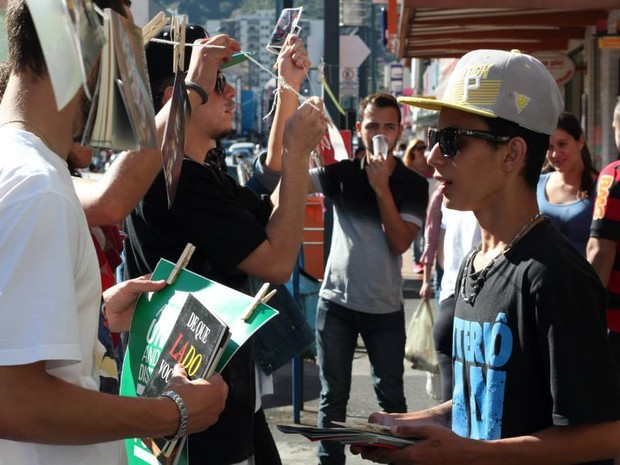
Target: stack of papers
(366, 434)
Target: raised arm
(274, 259)
(111, 199)
(400, 233)
(293, 65)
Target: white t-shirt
(50, 286)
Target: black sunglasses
(220, 83)
(449, 143)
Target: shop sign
(561, 66)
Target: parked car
(239, 160)
(245, 149)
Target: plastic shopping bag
(420, 349)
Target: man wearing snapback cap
(534, 381)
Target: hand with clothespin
(207, 57)
(119, 300)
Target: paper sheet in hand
(287, 24)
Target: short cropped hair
(537, 145)
(380, 100)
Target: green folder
(148, 335)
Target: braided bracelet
(199, 90)
(182, 431)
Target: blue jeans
(337, 329)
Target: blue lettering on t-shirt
(480, 353)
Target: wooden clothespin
(152, 28)
(181, 263)
(268, 297)
(177, 33)
(258, 298)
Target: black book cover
(196, 341)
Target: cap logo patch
(479, 70)
(471, 83)
(521, 101)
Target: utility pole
(331, 54)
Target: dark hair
(380, 100)
(116, 5)
(570, 124)
(5, 72)
(25, 53)
(537, 145)
(159, 60)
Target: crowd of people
(519, 227)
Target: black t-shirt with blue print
(532, 352)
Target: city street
(296, 449)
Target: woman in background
(566, 189)
(414, 158)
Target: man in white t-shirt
(50, 409)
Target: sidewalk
(295, 449)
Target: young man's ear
(167, 95)
(514, 158)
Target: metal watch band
(199, 90)
(182, 431)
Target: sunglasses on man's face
(220, 83)
(450, 140)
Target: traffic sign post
(349, 82)
(353, 51)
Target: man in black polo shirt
(236, 233)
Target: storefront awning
(450, 30)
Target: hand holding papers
(154, 322)
(363, 434)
